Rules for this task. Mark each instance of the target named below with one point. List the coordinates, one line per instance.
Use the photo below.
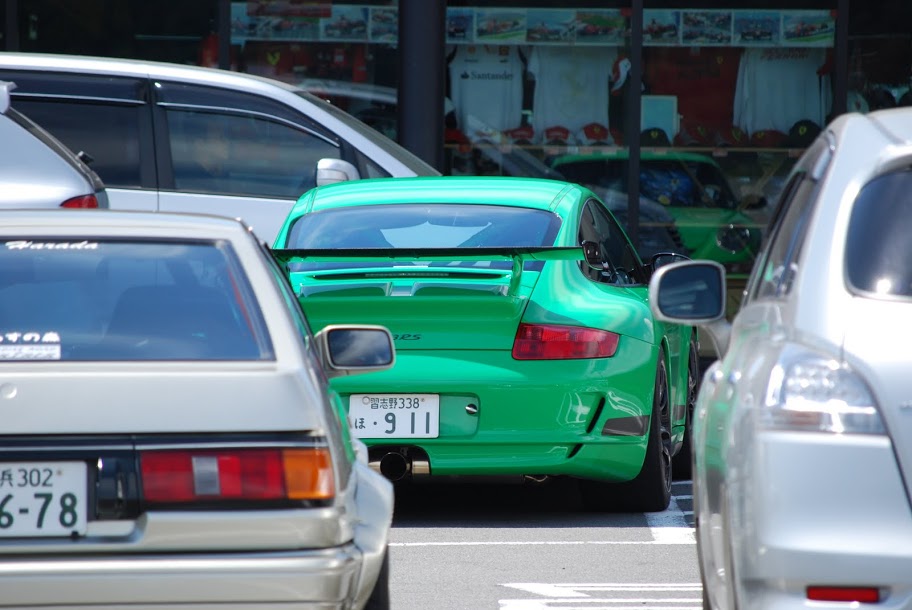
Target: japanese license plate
(394, 415)
(42, 499)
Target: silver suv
(36, 170)
(170, 137)
(802, 430)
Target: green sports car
(525, 345)
(712, 221)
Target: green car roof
(523, 192)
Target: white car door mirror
(335, 170)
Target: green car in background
(712, 221)
(525, 345)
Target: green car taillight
(554, 342)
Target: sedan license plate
(42, 499)
(394, 415)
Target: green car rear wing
(518, 256)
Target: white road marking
(684, 537)
(670, 526)
(590, 604)
(575, 589)
(574, 597)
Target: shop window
(880, 61)
(338, 42)
(530, 85)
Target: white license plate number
(394, 415)
(42, 499)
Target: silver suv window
(878, 255)
(126, 300)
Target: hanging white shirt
(486, 85)
(777, 87)
(571, 86)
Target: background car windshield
(878, 248)
(92, 299)
(424, 226)
(670, 182)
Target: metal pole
(223, 29)
(11, 32)
(632, 120)
(421, 87)
(841, 64)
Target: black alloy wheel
(683, 460)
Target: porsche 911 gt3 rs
(524, 339)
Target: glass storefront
(689, 114)
(879, 56)
(731, 98)
(164, 30)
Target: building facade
(701, 104)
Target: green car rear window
(126, 301)
(431, 225)
(428, 225)
(878, 252)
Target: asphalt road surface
(497, 546)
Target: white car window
(243, 155)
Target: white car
(802, 430)
(176, 138)
(168, 434)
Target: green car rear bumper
(586, 418)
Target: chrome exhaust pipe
(400, 463)
(420, 467)
(394, 466)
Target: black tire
(682, 467)
(650, 491)
(380, 597)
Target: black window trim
(640, 269)
(90, 99)
(250, 113)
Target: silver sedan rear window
(117, 300)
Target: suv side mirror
(692, 293)
(335, 170)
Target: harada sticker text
(51, 245)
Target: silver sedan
(802, 429)
(168, 437)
